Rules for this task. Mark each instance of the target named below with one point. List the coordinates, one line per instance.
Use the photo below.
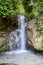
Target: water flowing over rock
(17, 38)
(7, 24)
(21, 20)
(25, 34)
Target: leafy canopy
(10, 7)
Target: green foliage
(19, 7)
(41, 49)
(6, 7)
(9, 7)
(40, 28)
(40, 19)
(28, 9)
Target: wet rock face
(12, 22)
(3, 40)
(2, 26)
(7, 25)
(33, 39)
(8, 64)
(9, 41)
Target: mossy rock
(4, 48)
(41, 49)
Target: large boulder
(9, 40)
(4, 41)
(32, 36)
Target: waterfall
(21, 21)
(17, 38)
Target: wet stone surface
(27, 58)
(8, 64)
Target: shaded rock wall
(7, 25)
(32, 36)
(2, 26)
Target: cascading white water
(22, 32)
(18, 37)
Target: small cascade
(21, 21)
(17, 38)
